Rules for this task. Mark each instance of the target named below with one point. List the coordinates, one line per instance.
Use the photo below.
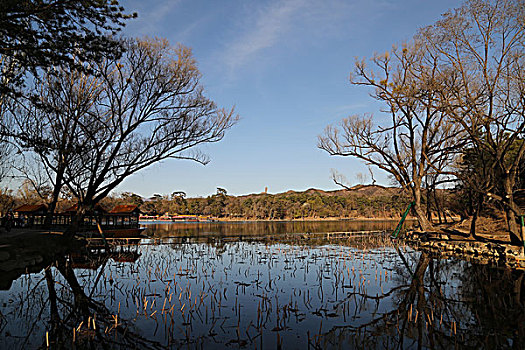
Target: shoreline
(313, 219)
(498, 253)
(235, 220)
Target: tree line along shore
(363, 202)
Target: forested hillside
(361, 201)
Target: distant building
(124, 215)
(29, 214)
(121, 216)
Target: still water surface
(195, 292)
(263, 228)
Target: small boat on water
(148, 218)
(174, 218)
(190, 218)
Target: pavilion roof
(125, 209)
(31, 208)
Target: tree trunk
(59, 180)
(511, 209)
(48, 221)
(424, 223)
(514, 229)
(476, 210)
(82, 302)
(429, 205)
(77, 221)
(441, 213)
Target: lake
(264, 228)
(260, 285)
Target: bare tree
(418, 140)
(151, 107)
(93, 131)
(39, 35)
(484, 42)
(50, 126)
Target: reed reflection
(362, 292)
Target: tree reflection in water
(487, 312)
(263, 228)
(66, 314)
(357, 293)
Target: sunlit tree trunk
(511, 210)
(419, 211)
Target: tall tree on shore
(484, 42)
(133, 112)
(417, 140)
(51, 127)
(38, 35)
(149, 106)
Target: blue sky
(284, 65)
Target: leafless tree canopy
(459, 85)
(416, 140)
(93, 131)
(151, 107)
(483, 42)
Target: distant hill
(375, 190)
(357, 190)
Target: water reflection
(359, 293)
(262, 228)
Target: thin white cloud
(159, 12)
(151, 15)
(291, 22)
(265, 27)
(261, 27)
